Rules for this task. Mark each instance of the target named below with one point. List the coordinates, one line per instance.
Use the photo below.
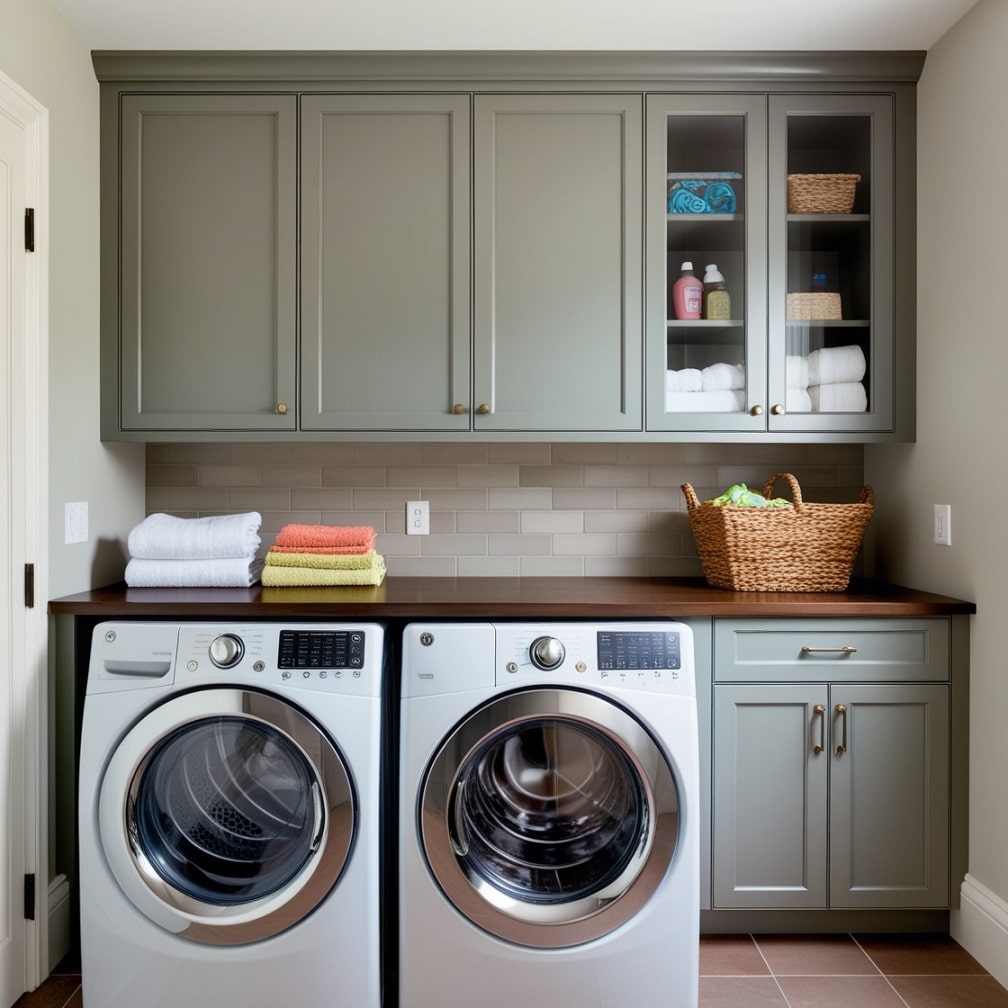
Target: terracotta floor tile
(740, 992)
(55, 992)
(730, 955)
(816, 955)
(950, 991)
(918, 954)
(839, 992)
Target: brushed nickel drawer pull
(819, 711)
(841, 711)
(829, 650)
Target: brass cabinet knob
(458, 409)
(777, 409)
(281, 409)
(483, 409)
(756, 410)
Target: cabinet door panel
(385, 262)
(558, 262)
(889, 797)
(769, 841)
(208, 244)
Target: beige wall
(40, 52)
(960, 457)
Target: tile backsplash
(496, 509)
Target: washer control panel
(321, 649)
(632, 649)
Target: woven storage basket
(804, 548)
(821, 194)
(807, 306)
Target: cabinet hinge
(29, 897)
(29, 586)
(29, 229)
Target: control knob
(547, 653)
(226, 650)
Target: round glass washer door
(226, 815)
(549, 817)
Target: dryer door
(549, 817)
(226, 815)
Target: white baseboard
(980, 925)
(58, 922)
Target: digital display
(631, 650)
(321, 649)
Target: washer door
(549, 817)
(226, 815)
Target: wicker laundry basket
(802, 548)
(821, 194)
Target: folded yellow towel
(275, 576)
(326, 561)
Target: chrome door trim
(334, 829)
(551, 924)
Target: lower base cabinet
(831, 764)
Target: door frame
(28, 509)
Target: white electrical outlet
(417, 517)
(943, 524)
(75, 522)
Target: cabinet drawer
(838, 650)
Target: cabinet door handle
(458, 409)
(483, 409)
(819, 711)
(756, 410)
(777, 409)
(841, 711)
(829, 650)
(281, 409)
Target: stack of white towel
(215, 552)
(719, 388)
(836, 380)
(826, 381)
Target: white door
(22, 625)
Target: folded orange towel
(333, 539)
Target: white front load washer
(549, 815)
(229, 815)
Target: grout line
(773, 975)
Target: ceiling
(649, 25)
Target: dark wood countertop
(502, 598)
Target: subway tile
(259, 499)
(616, 476)
(290, 475)
(244, 453)
(585, 498)
(387, 453)
(353, 476)
(487, 475)
(381, 499)
(488, 566)
(551, 566)
(675, 476)
(198, 499)
(416, 566)
(552, 521)
(228, 475)
(647, 544)
(171, 475)
(488, 521)
(318, 499)
(195, 453)
(584, 454)
(453, 545)
(616, 521)
(649, 454)
(584, 544)
(520, 545)
(456, 499)
(650, 499)
(376, 518)
(551, 475)
(533, 453)
(155, 453)
(617, 566)
(453, 454)
(422, 476)
(314, 453)
(512, 498)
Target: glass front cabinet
(785, 205)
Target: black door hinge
(29, 897)
(29, 229)
(29, 586)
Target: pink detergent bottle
(687, 294)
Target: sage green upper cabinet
(794, 198)
(557, 262)
(207, 310)
(385, 225)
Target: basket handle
(867, 495)
(796, 494)
(689, 493)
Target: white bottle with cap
(717, 301)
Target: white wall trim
(59, 921)
(980, 925)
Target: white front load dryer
(549, 815)
(229, 815)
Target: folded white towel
(727, 401)
(797, 401)
(723, 377)
(165, 537)
(796, 370)
(836, 365)
(840, 397)
(686, 380)
(225, 572)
